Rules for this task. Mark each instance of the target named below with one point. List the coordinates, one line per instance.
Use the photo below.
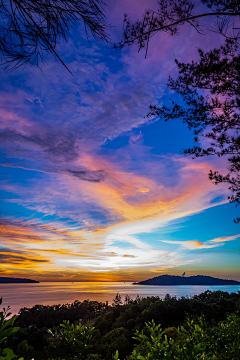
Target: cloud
(69, 249)
(14, 231)
(135, 138)
(51, 118)
(195, 244)
(191, 244)
(225, 238)
(123, 195)
(22, 258)
(97, 223)
(95, 176)
(71, 115)
(83, 174)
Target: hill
(166, 280)
(10, 280)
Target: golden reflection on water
(51, 293)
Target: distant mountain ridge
(167, 280)
(10, 280)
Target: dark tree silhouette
(213, 112)
(210, 90)
(172, 14)
(115, 325)
(29, 29)
(117, 300)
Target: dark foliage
(210, 90)
(197, 339)
(116, 325)
(172, 14)
(49, 316)
(30, 29)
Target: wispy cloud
(195, 244)
(77, 171)
(24, 259)
(192, 244)
(225, 238)
(129, 203)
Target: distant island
(10, 280)
(166, 280)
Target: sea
(18, 296)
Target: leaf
(7, 332)
(8, 354)
(116, 356)
(8, 323)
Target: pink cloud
(136, 137)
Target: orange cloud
(144, 190)
(195, 244)
(225, 238)
(191, 244)
(133, 204)
(119, 193)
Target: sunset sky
(91, 189)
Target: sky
(91, 188)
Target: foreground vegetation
(206, 327)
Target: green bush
(6, 330)
(196, 340)
(25, 350)
(211, 337)
(70, 342)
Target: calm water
(49, 293)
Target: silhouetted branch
(215, 117)
(172, 14)
(30, 29)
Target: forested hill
(191, 280)
(10, 280)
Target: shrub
(196, 340)
(6, 330)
